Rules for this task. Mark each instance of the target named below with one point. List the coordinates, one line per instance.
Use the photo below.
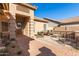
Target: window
(4, 26)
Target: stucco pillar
(31, 28)
(12, 27)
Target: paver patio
(37, 47)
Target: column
(31, 24)
(31, 28)
(12, 27)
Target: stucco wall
(51, 25)
(39, 26)
(74, 27)
(62, 28)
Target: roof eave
(52, 20)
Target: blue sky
(57, 10)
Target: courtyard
(45, 47)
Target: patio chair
(39, 34)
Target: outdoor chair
(45, 33)
(39, 34)
(48, 33)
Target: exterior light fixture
(19, 25)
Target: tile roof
(58, 22)
(71, 20)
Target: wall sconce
(19, 25)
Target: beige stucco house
(40, 25)
(69, 24)
(17, 18)
(45, 24)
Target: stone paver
(39, 47)
(36, 48)
(59, 49)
